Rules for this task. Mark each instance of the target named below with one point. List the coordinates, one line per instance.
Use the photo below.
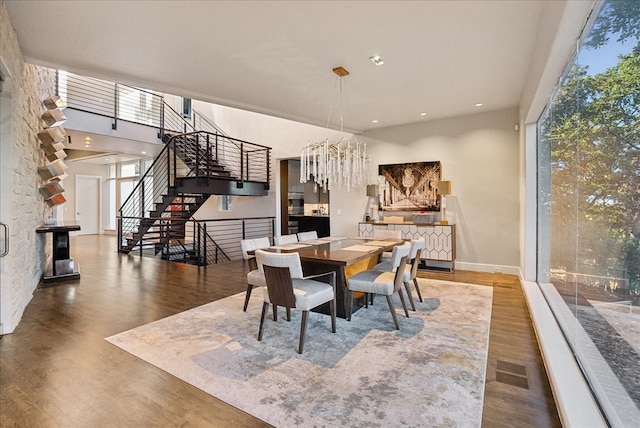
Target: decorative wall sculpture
(409, 186)
(52, 143)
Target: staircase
(155, 219)
(198, 160)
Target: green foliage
(619, 18)
(595, 143)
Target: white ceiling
(276, 57)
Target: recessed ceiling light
(144, 153)
(479, 104)
(87, 138)
(423, 114)
(377, 60)
(374, 121)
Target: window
(130, 169)
(589, 207)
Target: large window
(589, 207)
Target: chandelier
(343, 163)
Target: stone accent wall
(30, 84)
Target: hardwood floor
(56, 369)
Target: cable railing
(227, 233)
(202, 123)
(201, 242)
(192, 155)
(242, 160)
(120, 102)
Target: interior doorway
(88, 203)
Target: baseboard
(574, 400)
(479, 267)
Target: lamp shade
(444, 187)
(372, 190)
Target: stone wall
(29, 85)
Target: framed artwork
(409, 186)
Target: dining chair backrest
(400, 251)
(414, 264)
(290, 260)
(416, 245)
(385, 233)
(307, 236)
(280, 286)
(285, 239)
(399, 259)
(252, 245)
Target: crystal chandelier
(343, 163)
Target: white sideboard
(440, 240)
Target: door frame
(75, 215)
(6, 207)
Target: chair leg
(265, 308)
(366, 300)
(275, 312)
(408, 288)
(289, 314)
(303, 330)
(246, 297)
(404, 304)
(349, 304)
(393, 312)
(415, 282)
(332, 308)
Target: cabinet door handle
(5, 251)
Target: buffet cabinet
(440, 240)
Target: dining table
(342, 255)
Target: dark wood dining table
(345, 257)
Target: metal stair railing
(153, 187)
(120, 102)
(202, 123)
(218, 240)
(243, 160)
(208, 250)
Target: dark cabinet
(307, 223)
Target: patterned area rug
(430, 373)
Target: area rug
(429, 373)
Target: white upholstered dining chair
(255, 278)
(285, 239)
(381, 282)
(287, 287)
(411, 270)
(307, 236)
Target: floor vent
(512, 374)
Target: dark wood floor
(56, 369)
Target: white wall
(480, 156)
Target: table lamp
(443, 188)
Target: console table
(440, 240)
(62, 265)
